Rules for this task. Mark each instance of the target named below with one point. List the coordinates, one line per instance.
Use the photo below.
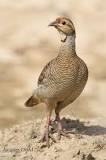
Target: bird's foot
(46, 138)
(61, 131)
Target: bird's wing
(46, 73)
(48, 81)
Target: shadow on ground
(81, 127)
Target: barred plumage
(63, 78)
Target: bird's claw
(61, 132)
(46, 137)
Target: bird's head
(64, 26)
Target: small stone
(78, 153)
(83, 157)
(43, 146)
(14, 155)
(90, 157)
(33, 135)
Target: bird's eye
(64, 23)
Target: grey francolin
(62, 79)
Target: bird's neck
(67, 46)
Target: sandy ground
(27, 44)
(87, 141)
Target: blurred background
(27, 44)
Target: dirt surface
(87, 141)
(27, 44)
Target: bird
(62, 80)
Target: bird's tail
(32, 101)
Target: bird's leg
(60, 130)
(46, 137)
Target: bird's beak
(54, 23)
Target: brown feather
(32, 101)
